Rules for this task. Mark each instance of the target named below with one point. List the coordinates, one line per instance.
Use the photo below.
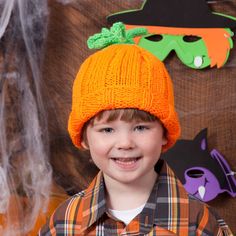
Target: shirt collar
(94, 204)
(167, 206)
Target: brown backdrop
(205, 98)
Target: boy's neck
(125, 196)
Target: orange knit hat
(123, 76)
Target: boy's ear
(164, 140)
(84, 145)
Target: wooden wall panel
(204, 98)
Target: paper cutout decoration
(204, 174)
(198, 36)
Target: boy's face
(125, 151)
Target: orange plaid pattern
(168, 211)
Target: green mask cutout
(194, 51)
(191, 50)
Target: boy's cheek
(97, 139)
(98, 145)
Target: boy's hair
(127, 114)
(118, 77)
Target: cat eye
(195, 173)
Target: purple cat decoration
(204, 174)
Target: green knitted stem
(117, 34)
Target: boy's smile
(127, 163)
(125, 151)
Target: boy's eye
(141, 128)
(106, 130)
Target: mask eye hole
(191, 38)
(195, 173)
(154, 37)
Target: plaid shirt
(168, 211)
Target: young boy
(123, 113)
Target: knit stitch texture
(123, 76)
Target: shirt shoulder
(204, 220)
(67, 212)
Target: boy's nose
(125, 141)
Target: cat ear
(201, 139)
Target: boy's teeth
(126, 159)
(126, 162)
